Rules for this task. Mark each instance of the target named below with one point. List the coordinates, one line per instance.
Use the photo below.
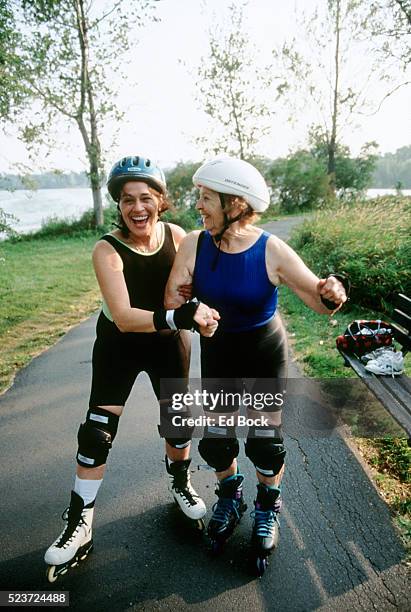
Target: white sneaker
(388, 363)
(375, 354)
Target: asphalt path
(338, 549)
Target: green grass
(371, 242)
(45, 287)
(380, 440)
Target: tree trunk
(90, 135)
(94, 155)
(95, 184)
(331, 168)
(333, 137)
(97, 205)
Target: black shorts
(256, 360)
(119, 357)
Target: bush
(187, 218)
(300, 182)
(180, 184)
(369, 240)
(5, 220)
(54, 227)
(394, 456)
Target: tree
(300, 181)
(67, 51)
(321, 76)
(394, 169)
(238, 114)
(5, 220)
(183, 196)
(180, 184)
(10, 93)
(389, 21)
(351, 174)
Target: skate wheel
(262, 563)
(51, 573)
(216, 547)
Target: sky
(162, 117)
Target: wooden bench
(393, 392)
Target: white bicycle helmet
(235, 177)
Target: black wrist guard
(180, 318)
(345, 281)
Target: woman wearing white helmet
(236, 268)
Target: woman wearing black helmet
(134, 334)
(236, 268)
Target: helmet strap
(227, 222)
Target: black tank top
(146, 276)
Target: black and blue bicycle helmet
(135, 169)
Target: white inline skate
(75, 541)
(185, 496)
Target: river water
(32, 208)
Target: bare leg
(231, 471)
(177, 454)
(271, 481)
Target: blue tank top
(238, 287)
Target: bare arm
(108, 267)
(182, 274)
(182, 271)
(286, 267)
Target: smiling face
(139, 205)
(209, 206)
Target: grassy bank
(46, 286)
(371, 242)
(383, 446)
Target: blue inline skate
(227, 511)
(265, 535)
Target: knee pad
(173, 425)
(95, 437)
(265, 448)
(219, 453)
(178, 442)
